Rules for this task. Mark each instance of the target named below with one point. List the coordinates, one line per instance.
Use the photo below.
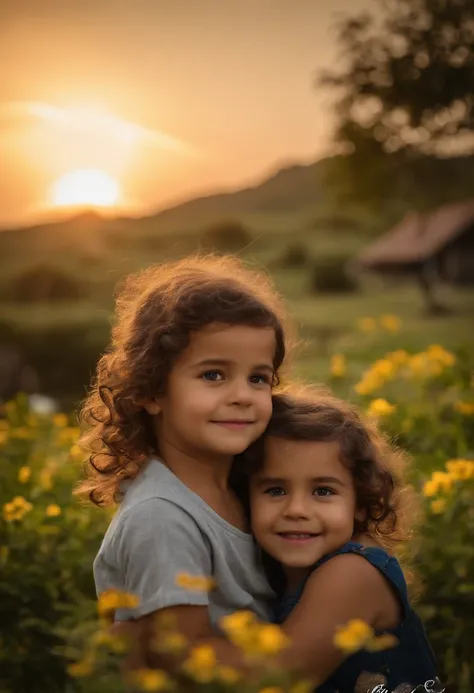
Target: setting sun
(89, 187)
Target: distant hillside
(288, 191)
(291, 188)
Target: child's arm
(346, 587)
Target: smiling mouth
(298, 536)
(234, 424)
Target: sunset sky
(164, 99)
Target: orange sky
(186, 95)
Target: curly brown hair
(157, 310)
(377, 466)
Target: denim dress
(411, 661)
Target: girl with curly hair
(330, 508)
(184, 387)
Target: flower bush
(48, 540)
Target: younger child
(328, 507)
(185, 385)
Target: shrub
(330, 276)
(293, 256)
(47, 545)
(45, 284)
(48, 541)
(226, 236)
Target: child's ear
(151, 406)
(361, 514)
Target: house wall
(456, 260)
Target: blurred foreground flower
(353, 636)
(201, 664)
(53, 510)
(438, 506)
(465, 408)
(24, 474)
(197, 583)
(338, 365)
(357, 635)
(254, 638)
(380, 407)
(456, 470)
(151, 680)
(367, 324)
(391, 323)
(16, 509)
(114, 599)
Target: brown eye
(275, 491)
(324, 491)
(212, 376)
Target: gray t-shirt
(162, 529)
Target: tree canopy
(404, 93)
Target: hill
(289, 189)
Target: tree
(404, 97)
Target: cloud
(20, 114)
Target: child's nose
(241, 392)
(297, 506)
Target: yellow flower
(383, 368)
(399, 357)
(46, 479)
(53, 510)
(302, 687)
(16, 509)
(381, 642)
(367, 324)
(116, 643)
(22, 433)
(228, 675)
(443, 480)
(238, 621)
(460, 470)
(338, 365)
(271, 689)
(439, 481)
(353, 636)
(60, 420)
(24, 474)
(438, 506)
(465, 408)
(202, 663)
(173, 642)
(197, 583)
(151, 679)
(438, 353)
(380, 407)
(113, 599)
(270, 639)
(82, 668)
(391, 323)
(76, 453)
(3, 437)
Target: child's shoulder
(384, 562)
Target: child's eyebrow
(262, 480)
(228, 362)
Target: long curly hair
(377, 466)
(157, 310)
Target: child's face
(218, 397)
(303, 502)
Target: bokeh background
(331, 144)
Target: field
(374, 344)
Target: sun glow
(85, 187)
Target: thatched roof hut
(441, 241)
